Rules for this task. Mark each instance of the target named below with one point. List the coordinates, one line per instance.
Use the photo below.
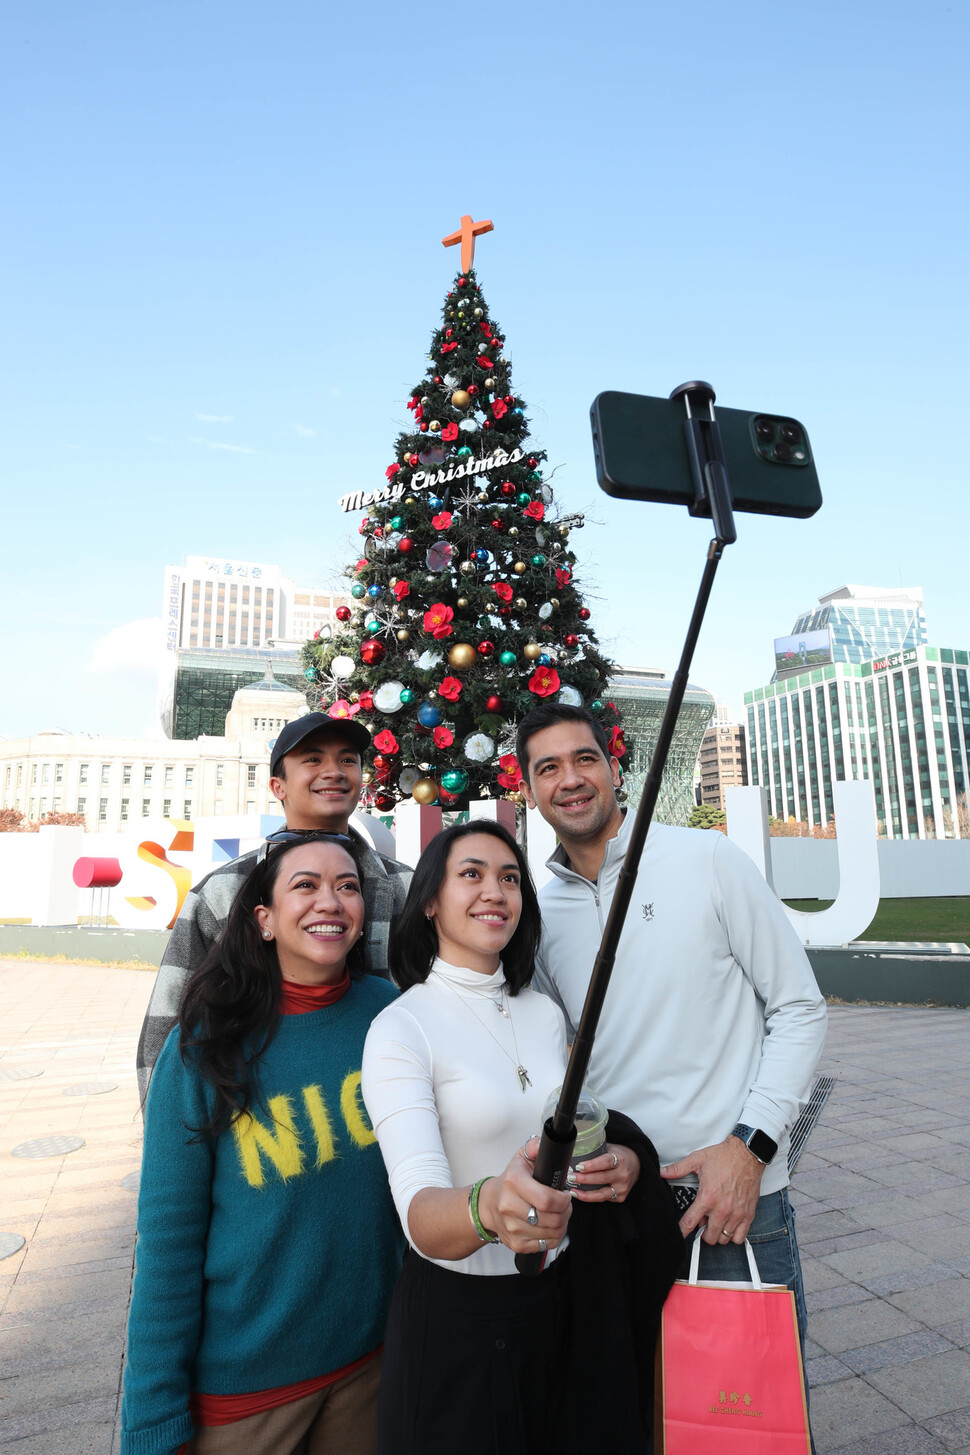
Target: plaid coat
(204, 913)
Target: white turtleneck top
(442, 1091)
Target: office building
(902, 721)
(722, 762)
(223, 620)
(854, 624)
(641, 698)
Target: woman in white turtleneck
(456, 1073)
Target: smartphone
(641, 454)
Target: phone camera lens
(782, 452)
(764, 429)
(791, 433)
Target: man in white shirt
(713, 1024)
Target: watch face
(762, 1146)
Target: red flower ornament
(391, 471)
(511, 774)
(502, 590)
(449, 689)
(447, 348)
(443, 737)
(386, 742)
(544, 681)
(437, 621)
(535, 510)
(615, 743)
(401, 589)
(441, 521)
(450, 432)
(343, 708)
(563, 574)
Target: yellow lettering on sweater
(316, 1110)
(281, 1146)
(353, 1111)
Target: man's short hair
(548, 714)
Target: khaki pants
(340, 1419)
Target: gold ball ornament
(490, 382)
(554, 603)
(462, 603)
(410, 500)
(531, 650)
(513, 530)
(425, 790)
(462, 656)
(519, 568)
(367, 775)
(461, 399)
(404, 635)
(520, 603)
(482, 497)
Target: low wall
(908, 868)
(83, 942)
(901, 979)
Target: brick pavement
(882, 1194)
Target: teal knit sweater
(267, 1256)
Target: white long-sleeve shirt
(713, 1015)
(443, 1093)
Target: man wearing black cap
(315, 772)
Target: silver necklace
(523, 1075)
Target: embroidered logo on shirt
(648, 911)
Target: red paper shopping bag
(729, 1369)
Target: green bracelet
(482, 1232)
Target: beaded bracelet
(480, 1229)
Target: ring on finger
(612, 1193)
(616, 1162)
(542, 1245)
(532, 1217)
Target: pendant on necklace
(524, 1078)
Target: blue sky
(222, 263)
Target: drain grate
(90, 1088)
(802, 1129)
(48, 1147)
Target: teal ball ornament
(397, 522)
(523, 497)
(507, 659)
(408, 695)
(358, 590)
(464, 452)
(538, 559)
(373, 626)
(310, 673)
(455, 780)
(596, 705)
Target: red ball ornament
(505, 611)
(381, 763)
(378, 532)
(448, 799)
(572, 640)
(509, 398)
(498, 524)
(507, 488)
(412, 460)
(384, 801)
(485, 649)
(462, 282)
(533, 462)
(437, 378)
(423, 428)
(342, 613)
(366, 701)
(473, 390)
(405, 544)
(372, 652)
(494, 704)
(584, 613)
(486, 424)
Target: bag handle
(695, 1259)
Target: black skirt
(474, 1364)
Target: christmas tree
(467, 611)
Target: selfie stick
(712, 498)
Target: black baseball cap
(317, 722)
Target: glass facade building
(866, 622)
(901, 720)
(207, 679)
(641, 698)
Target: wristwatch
(757, 1142)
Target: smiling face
(321, 783)
(317, 912)
(572, 784)
(478, 903)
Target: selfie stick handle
(713, 487)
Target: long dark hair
(414, 943)
(230, 1008)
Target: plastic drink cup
(591, 1116)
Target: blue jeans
(772, 1239)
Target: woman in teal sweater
(267, 1240)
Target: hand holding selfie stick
(712, 498)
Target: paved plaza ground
(882, 1194)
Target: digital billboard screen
(805, 649)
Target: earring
(267, 935)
